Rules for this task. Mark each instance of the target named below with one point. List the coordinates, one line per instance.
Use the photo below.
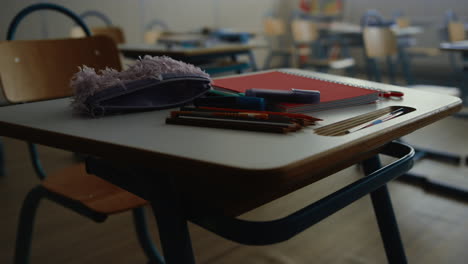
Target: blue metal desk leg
(385, 217)
(253, 63)
(464, 82)
(172, 224)
(2, 160)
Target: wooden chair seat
(423, 51)
(95, 193)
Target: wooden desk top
(193, 38)
(349, 28)
(158, 50)
(233, 171)
(455, 46)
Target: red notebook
(332, 94)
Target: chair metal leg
(436, 187)
(437, 155)
(144, 237)
(26, 224)
(172, 224)
(373, 70)
(286, 61)
(391, 70)
(2, 160)
(404, 60)
(433, 186)
(253, 63)
(385, 217)
(268, 59)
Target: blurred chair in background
(275, 31)
(453, 30)
(380, 42)
(155, 29)
(312, 51)
(409, 44)
(114, 32)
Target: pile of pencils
(242, 119)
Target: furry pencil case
(152, 83)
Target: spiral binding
(327, 80)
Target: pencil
(221, 114)
(228, 124)
(286, 117)
(271, 117)
(292, 115)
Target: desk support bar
(269, 232)
(172, 223)
(385, 217)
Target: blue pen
(379, 120)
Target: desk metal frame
(172, 218)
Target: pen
(379, 120)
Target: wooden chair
(413, 50)
(402, 22)
(381, 42)
(154, 30)
(36, 70)
(310, 50)
(275, 31)
(456, 31)
(114, 32)
(40, 70)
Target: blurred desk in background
(214, 59)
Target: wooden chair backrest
(379, 42)
(274, 27)
(304, 31)
(34, 70)
(456, 31)
(402, 22)
(152, 36)
(77, 32)
(113, 32)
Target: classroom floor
(434, 229)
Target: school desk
(194, 55)
(349, 28)
(210, 176)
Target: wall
(133, 15)
(186, 15)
